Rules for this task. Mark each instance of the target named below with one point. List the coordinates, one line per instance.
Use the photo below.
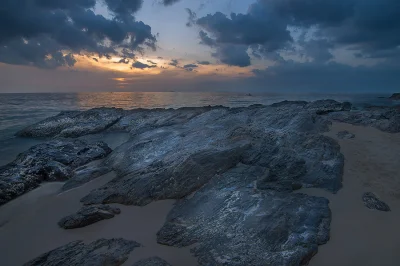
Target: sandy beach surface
(359, 236)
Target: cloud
(190, 67)
(313, 76)
(174, 62)
(123, 61)
(203, 62)
(95, 59)
(169, 2)
(233, 55)
(371, 29)
(36, 32)
(140, 65)
(151, 62)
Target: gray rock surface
(232, 224)
(383, 118)
(233, 171)
(51, 161)
(154, 261)
(371, 201)
(88, 215)
(395, 96)
(74, 123)
(345, 135)
(102, 252)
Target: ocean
(20, 110)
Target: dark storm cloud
(328, 77)
(371, 28)
(140, 65)
(36, 32)
(169, 2)
(233, 55)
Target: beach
(358, 235)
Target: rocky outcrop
(233, 171)
(88, 215)
(74, 124)
(232, 224)
(51, 161)
(371, 201)
(345, 135)
(383, 118)
(154, 261)
(395, 96)
(102, 252)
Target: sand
(29, 225)
(359, 236)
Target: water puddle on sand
(29, 225)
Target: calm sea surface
(20, 110)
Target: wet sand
(28, 225)
(360, 236)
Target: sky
(343, 46)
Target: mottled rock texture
(102, 252)
(345, 135)
(52, 161)
(232, 170)
(88, 215)
(371, 201)
(154, 261)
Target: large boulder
(233, 224)
(395, 96)
(74, 123)
(102, 252)
(52, 161)
(88, 215)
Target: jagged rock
(74, 123)
(102, 252)
(88, 215)
(231, 224)
(384, 118)
(51, 161)
(371, 201)
(328, 106)
(154, 261)
(395, 96)
(85, 173)
(345, 135)
(172, 162)
(237, 164)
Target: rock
(154, 261)
(85, 173)
(231, 224)
(345, 135)
(395, 96)
(371, 201)
(51, 161)
(328, 106)
(102, 252)
(384, 118)
(74, 123)
(88, 215)
(232, 171)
